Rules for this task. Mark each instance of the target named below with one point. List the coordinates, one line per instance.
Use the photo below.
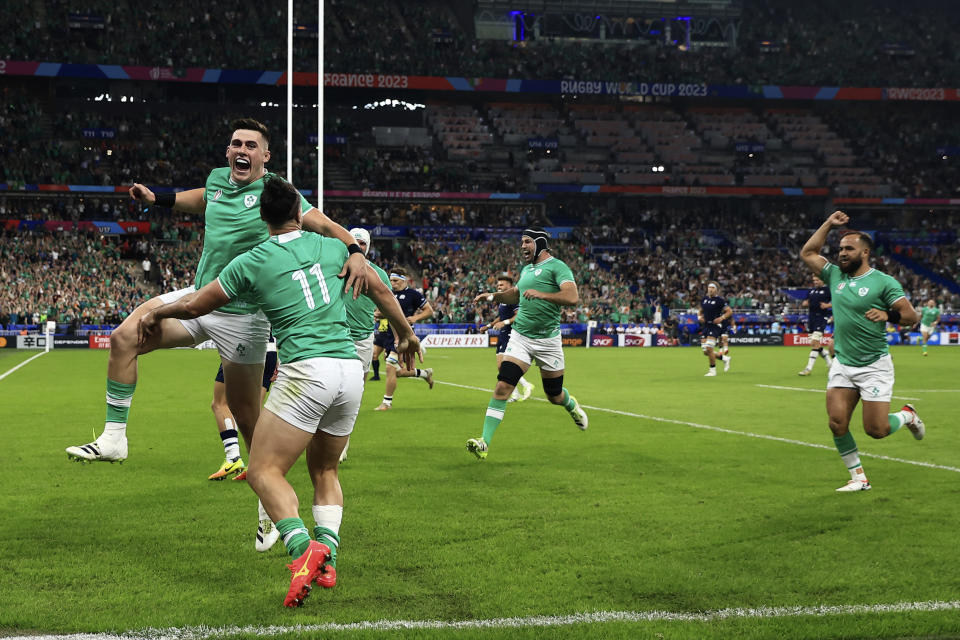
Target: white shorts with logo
(927, 329)
(365, 351)
(240, 337)
(874, 381)
(318, 393)
(547, 353)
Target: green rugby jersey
(929, 315)
(859, 342)
(360, 311)
(293, 279)
(232, 225)
(539, 318)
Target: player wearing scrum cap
(714, 313)
(545, 284)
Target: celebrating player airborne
(545, 285)
(293, 278)
(864, 300)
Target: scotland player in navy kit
(507, 316)
(820, 310)
(714, 314)
(415, 308)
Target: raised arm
(189, 201)
(810, 253)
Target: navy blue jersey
(506, 311)
(410, 300)
(712, 308)
(818, 317)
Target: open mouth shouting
(241, 167)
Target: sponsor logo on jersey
(841, 286)
(537, 272)
(249, 200)
(218, 194)
(863, 291)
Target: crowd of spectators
(773, 41)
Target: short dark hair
(863, 237)
(279, 202)
(251, 125)
(505, 276)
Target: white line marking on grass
(25, 362)
(932, 390)
(747, 434)
(773, 386)
(598, 617)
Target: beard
(852, 265)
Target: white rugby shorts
(365, 351)
(318, 393)
(874, 381)
(927, 329)
(240, 337)
(547, 353)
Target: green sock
(295, 536)
(568, 402)
(895, 422)
(848, 450)
(329, 538)
(495, 411)
(119, 396)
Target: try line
(598, 617)
(748, 434)
(25, 362)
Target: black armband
(167, 200)
(893, 316)
(354, 248)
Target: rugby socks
(231, 443)
(899, 419)
(328, 518)
(568, 402)
(422, 373)
(523, 384)
(850, 455)
(295, 536)
(388, 400)
(119, 397)
(376, 368)
(494, 417)
(814, 354)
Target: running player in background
(293, 278)
(864, 301)
(819, 310)
(360, 316)
(713, 315)
(929, 319)
(507, 315)
(415, 308)
(545, 285)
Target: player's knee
(708, 345)
(393, 361)
(553, 388)
(510, 372)
(123, 337)
(839, 425)
(878, 429)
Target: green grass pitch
(673, 505)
